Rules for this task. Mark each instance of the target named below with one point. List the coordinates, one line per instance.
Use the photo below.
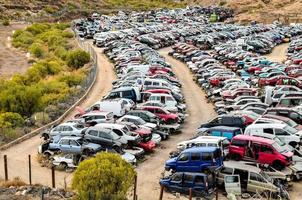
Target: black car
(145, 115)
(226, 120)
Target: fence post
(53, 177)
(42, 194)
(161, 192)
(5, 167)
(190, 194)
(29, 169)
(134, 190)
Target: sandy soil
(18, 155)
(149, 172)
(12, 61)
(279, 53)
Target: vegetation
(16, 182)
(143, 5)
(107, 176)
(5, 22)
(50, 80)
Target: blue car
(201, 184)
(196, 159)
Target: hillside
(33, 10)
(265, 11)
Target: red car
(146, 143)
(270, 81)
(292, 67)
(166, 116)
(261, 150)
(297, 61)
(216, 80)
(284, 80)
(239, 92)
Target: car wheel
(278, 165)
(236, 157)
(63, 165)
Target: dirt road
(279, 53)
(18, 154)
(149, 172)
(12, 61)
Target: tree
(105, 177)
(77, 59)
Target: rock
(24, 192)
(18, 193)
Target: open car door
(232, 184)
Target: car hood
(129, 157)
(288, 154)
(171, 161)
(93, 146)
(143, 131)
(151, 125)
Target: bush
(38, 28)
(49, 9)
(5, 22)
(77, 59)
(22, 39)
(11, 120)
(37, 50)
(107, 176)
(16, 182)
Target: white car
(68, 129)
(137, 121)
(65, 161)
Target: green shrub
(60, 52)
(22, 39)
(49, 9)
(11, 120)
(5, 22)
(38, 28)
(37, 50)
(72, 78)
(77, 59)
(107, 176)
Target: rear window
(228, 135)
(239, 143)
(216, 133)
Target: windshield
(290, 130)
(140, 121)
(114, 136)
(266, 176)
(279, 148)
(291, 123)
(125, 129)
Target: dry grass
(16, 182)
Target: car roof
(96, 113)
(242, 166)
(268, 125)
(68, 123)
(110, 125)
(224, 128)
(191, 173)
(131, 117)
(200, 149)
(70, 138)
(254, 138)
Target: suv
(201, 184)
(225, 120)
(196, 159)
(261, 150)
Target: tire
(63, 165)
(236, 157)
(116, 148)
(86, 152)
(278, 165)
(293, 144)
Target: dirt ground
(12, 61)
(18, 154)
(149, 172)
(279, 53)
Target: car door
(74, 147)
(68, 130)
(266, 154)
(206, 160)
(256, 183)
(232, 184)
(183, 161)
(176, 182)
(106, 139)
(64, 145)
(92, 136)
(187, 182)
(199, 183)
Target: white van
(97, 117)
(150, 83)
(284, 132)
(116, 106)
(206, 141)
(166, 99)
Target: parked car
(261, 150)
(196, 159)
(225, 120)
(201, 184)
(66, 129)
(222, 131)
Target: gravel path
(279, 53)
(149, 172)
(18, 154)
